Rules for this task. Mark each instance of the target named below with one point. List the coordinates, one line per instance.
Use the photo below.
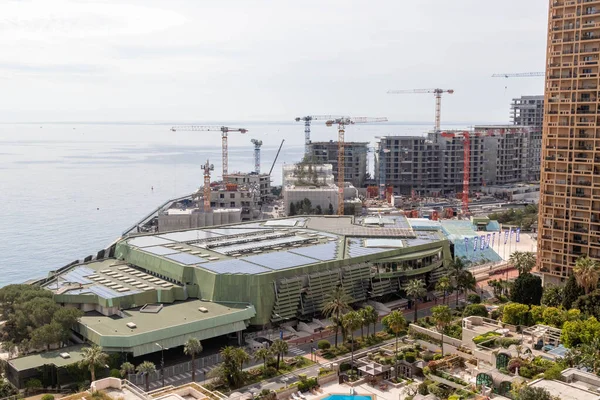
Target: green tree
(146, 368)
(523, 261)
(589, 304)
(371, 317)
(66, 317)
(363, 322)
(442, 315)
(554, 317)
(352, 321)
(330, 209)
(280, 348)
(92, 358)
(396, 322)
(230, 370)
(318, 210)
(292, 210)
(552, 296)
(46, 335)
(515, 314)
(456, 267)
(527, 289)
(533, 393)
(192, 348)
(262, 354)
(587, 272)
(571, 292)
(465, 281)
(589, 355)
(579, 332)
(415, 289)
(444, 284)
(475, 309)
(126, 369)
(336, 304)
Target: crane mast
(438, 100)
(341, 123)
(224, 131)
(207, 168)
(257, 143)
(307, 120)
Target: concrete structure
(528, 192)
(315, 182)
(569, 221)
(527, 111)
(355, 159)
(165, 288)
(260, 182)
(433, 166)
(187, 218)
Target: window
(232, 204)
(222, 195)
(232, 195)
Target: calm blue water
(67, 191)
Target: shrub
(422, 389)
(410, 356)
(454, 331)
(115, 373)
(475, 309)
(323, 345)
(507, 342)
(474, 298)
(485, 337)
(437, 357)
(33, 384)
(527, 371)
(345, 367)
(514, 363)
(428, 356)
(269, 372)
(47, 397)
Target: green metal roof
(171, 326)
(48, 358)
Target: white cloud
(255, 59)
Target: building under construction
(355, 159)
(434, 165)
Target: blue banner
(487, 241)
(475, 243)
(467, 245)
(482, 242)
(493, 239)
(510, 235)
(505, 237)
(518, 234)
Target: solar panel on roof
(280, 260)
(160, 250)
(185, 258)
(147, 241)
(234, 267)
(356, 249)
(383, 243)
(283, 222)
(189, 235)
(233, 231)
(323, 252)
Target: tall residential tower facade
(569, 221)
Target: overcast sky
(197, 60)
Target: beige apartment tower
(569, 222)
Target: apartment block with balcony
(569, 221)
(355, 159)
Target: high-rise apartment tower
(569, 221)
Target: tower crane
(341, 122)
(224, 131)
(307, 119)
(519, 75)
(438, 100)
(257, 143)
(466, 136)
(207, 168)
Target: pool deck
(361, 390)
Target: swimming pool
(346, 397)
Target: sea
(68, 190)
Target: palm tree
(363, 321)
(587, 272)
(336, 304)
(396, 322)
(93, 357)
(192, 348)
(456, 266)
(372, 316)
(230, 369)
(127, 368)
(146, 368)
(523, 261)
(443, 285)
(415, 289)
(262, 354)
(465, 281)
(442, 315)
(279, 347)
(351, 322)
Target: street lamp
(162, 362)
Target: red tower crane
(224, 131)
(438, 100)
(341, 123)
(466, 138)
